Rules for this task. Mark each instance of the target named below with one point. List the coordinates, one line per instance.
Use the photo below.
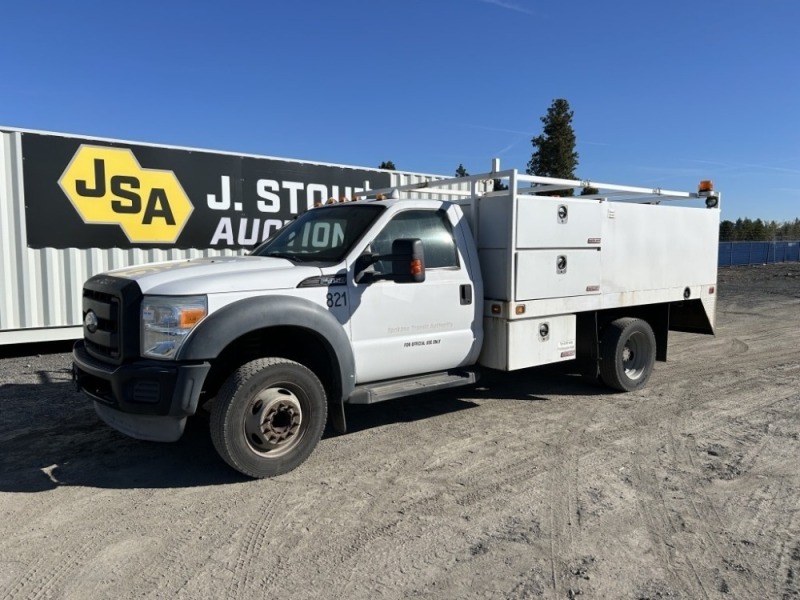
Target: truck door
(402, 329)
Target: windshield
(323, 234)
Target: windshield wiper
(286, 255)
(300, 257)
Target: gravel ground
(532, 485)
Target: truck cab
(349, 293)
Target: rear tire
(628, 353)
(268, 417)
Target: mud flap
(336, 414)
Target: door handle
(466, 293)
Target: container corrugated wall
(40, 289)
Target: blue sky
(664, 94)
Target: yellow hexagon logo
(108, 186)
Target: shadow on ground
(50, 435)
(36, 348)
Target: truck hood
(217, 275)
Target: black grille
(146, 391)
(99, 296)
(115, 303)
(104, 340)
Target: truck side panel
(562, 256)
(552, 222)
(557, 273)
(511, 345)
(648, 247)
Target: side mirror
(408, 261)
(364, 262)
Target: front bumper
(144, 387)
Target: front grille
(99, 296)
(115, 304)
(104, 341)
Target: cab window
(430, 226)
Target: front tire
(268, 417)
(628, 353)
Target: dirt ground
(533, 485)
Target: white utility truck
(384, 297)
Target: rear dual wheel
(628, 353)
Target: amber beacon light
(706, 190)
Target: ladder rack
(483, 184)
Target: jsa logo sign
(108, 186)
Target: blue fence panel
(757, 253)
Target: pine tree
(726, 231)
(759, 232)
(554, 154)
(461, 171)
(499, 185)
(388, 165)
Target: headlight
(167, 320)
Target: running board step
(408, 386)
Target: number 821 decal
(336, 299)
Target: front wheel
(268, 417)
(628, 353)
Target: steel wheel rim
(634, 356)
(274, 422)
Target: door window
(432, 227)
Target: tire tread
(220, 416)
(609, 369)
